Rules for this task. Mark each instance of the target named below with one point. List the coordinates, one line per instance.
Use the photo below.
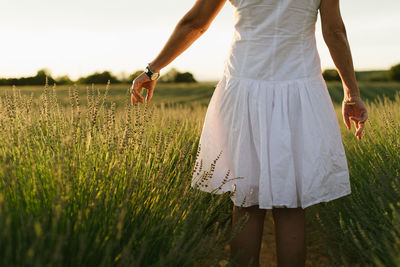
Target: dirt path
(268, 250)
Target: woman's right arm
(335, 37)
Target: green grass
(87, 186)
(363, 229)
(189, 94)
(369, 91)
(193, 94)
(86, 179)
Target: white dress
(270, 134)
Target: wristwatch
(152, 75)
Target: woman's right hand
(356, 112)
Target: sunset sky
(79, 37)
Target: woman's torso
(274, 40)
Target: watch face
(155, 76)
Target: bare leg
(247, 244)
(290, 232)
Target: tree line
(175, 76)
(172, 76)
(393, 74)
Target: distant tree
(134, 75)
(38, 79)
(174, 76)
(99, 78)
(378, 77)
(394, 73)
(43, 72)
(63, 80)
(185, 77)
(4, 81)
(331, 75)
(170, 76)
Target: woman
(270, 133)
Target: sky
(79, 37)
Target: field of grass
(192, 94)
(86, 179)
(167, 95)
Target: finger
(346, 117)
(358, 133)
(135, 92)
(359, 121)
(356, 121)
(133, 99)
(149, 95)
(357, 124)
(360, 128)
(347, 121)
(139, 96)
(359, 136)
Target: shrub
(394, 73)
(64, 80)
(99, 78)
(174, 76)
(185, 77)
(331, 75)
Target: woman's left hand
(142, 81)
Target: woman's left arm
(190, 27)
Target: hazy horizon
(78, 38)
(119, 76)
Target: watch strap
(150, 73)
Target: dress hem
(325, 200)
(248, 204)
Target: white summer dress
(270, 134)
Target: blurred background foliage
(175, 76)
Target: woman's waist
(271, 76)
(289, 79)
(273, 64)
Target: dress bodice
(274, 40)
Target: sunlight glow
(79, 37)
